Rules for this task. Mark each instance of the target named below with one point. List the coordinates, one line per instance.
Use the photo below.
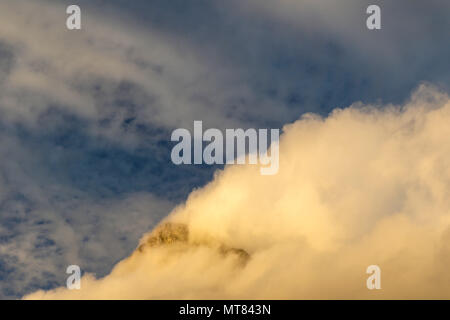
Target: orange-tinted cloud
(366, 185)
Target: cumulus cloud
(365, 185)
(86, 116)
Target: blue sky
(86, 115)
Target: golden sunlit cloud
(367, 185)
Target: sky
(86, 174)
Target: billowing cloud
(85, 117)
(367, 185)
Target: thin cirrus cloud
(366, 185)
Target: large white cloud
(365, 185)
